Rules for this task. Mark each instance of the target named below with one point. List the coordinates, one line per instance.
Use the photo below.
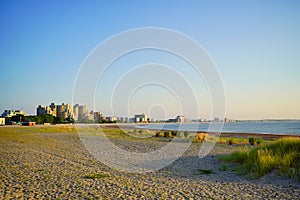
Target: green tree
(58, 120)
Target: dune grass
(39, 129)
(95, 176)
(283, 155)
(205, 171)
(231, 140)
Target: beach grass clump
(205, 171)
(200, 137)
(167, 134)
(237, 157)
(175, 133)
(186, 134)
(223, 167)
(95, 176)
(253, 141)
(159, 134)
(233, 141)
(283, 155)
(259, 141)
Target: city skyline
(255, 46)
(90, 114)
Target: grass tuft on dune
(283, 155)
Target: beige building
(98, 116)
(10, 113)
(46, 110)
(112, 119)
(82, 113)
(141, 118)
(76, 112)
(2, 121)
(64, 110)
(180, 118)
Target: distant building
(76, 112)
(126, 119)
(216, 119)
(98, 116)
(10, 113)
(111, 119)
(227, 120)
(2, 121)
(28, 123)
(52, 109)
(141, 118)
(83, 113)
(179, 118)
(46, 110)
(91, 115)
(41, 110)
(64, 111)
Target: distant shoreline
(128, 126)
(223, 134)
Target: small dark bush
(259, 141)
(186, 134)
(167, 134)
(206, 171)
(252, 141)
(159, 134)
(175, 133)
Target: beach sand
(55, 165)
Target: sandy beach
(56, 165)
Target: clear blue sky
(255, 45)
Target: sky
(254, 44)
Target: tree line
(41, 119)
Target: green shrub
(166, 134)
(206, 171)
(259, 141)
(223, 167)
(175, 133)
(252, 141)
(186, 134)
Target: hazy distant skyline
(255, 45)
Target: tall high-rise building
(64, 110)
(98, 116)
(76, 112)
(46, 110)
(82, 112)
(52, 110)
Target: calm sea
(266, 127)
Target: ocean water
(265, 127)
